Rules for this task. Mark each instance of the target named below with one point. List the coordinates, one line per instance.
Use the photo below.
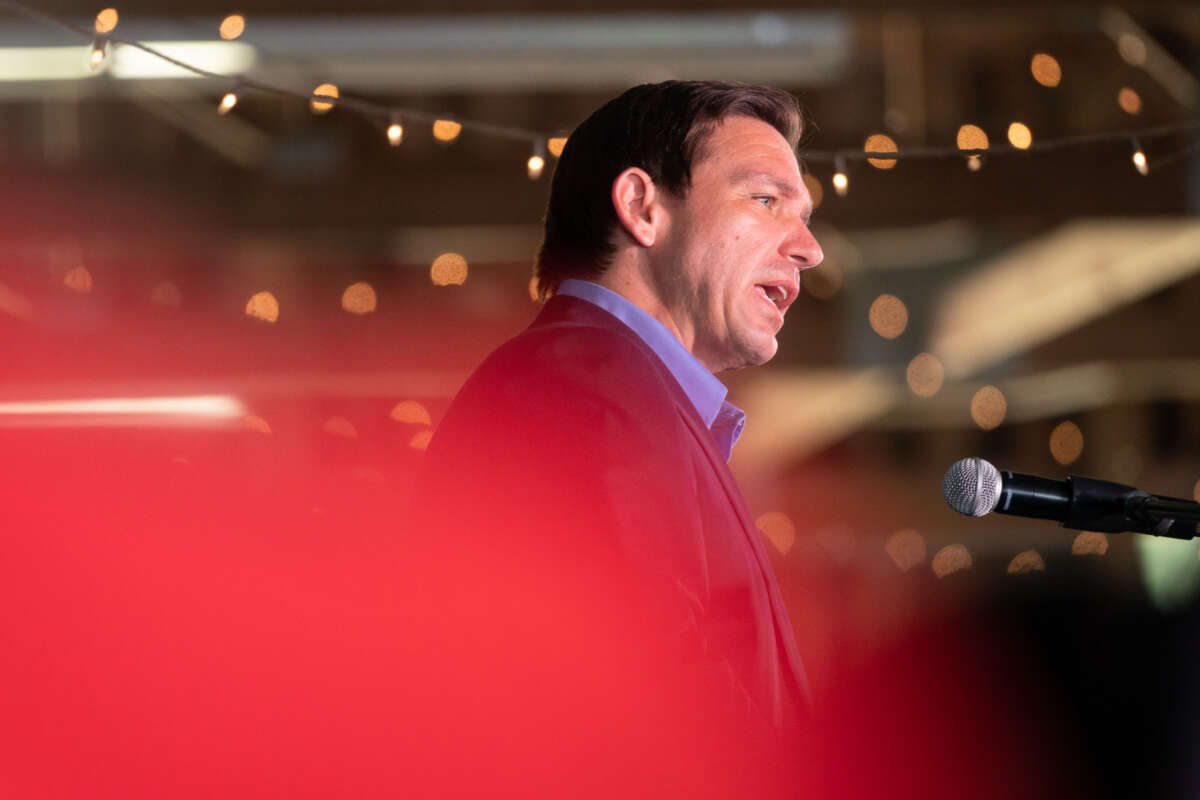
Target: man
(582, 470)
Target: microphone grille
(972, 487)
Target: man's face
(729, 265)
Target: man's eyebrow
(783, 186)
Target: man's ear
(636, 201)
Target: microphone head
(972, 487)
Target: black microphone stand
(1108, 507)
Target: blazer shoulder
(599, 360)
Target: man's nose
(803, 250)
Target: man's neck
(630, 283)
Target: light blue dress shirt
(724, 420)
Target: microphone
(974, 487)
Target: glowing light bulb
(1019, 135)
(227, 103)
(99, 51)
(537, 161)
(1139, 162)
(555, 145)
(1139, 158)
(880, 143)
(395, 133)
(232, 26)
(446, 130)
(1129, 100)
(322, 106)
(974, 163)
(534, 167)
(1046, 69)
(841, 183)
(106, 20)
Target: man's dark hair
(659, 127)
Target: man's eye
(766, 199)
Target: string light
(227, 103)
(1129, 100)
(1066, 442)
(974, 163)
(448, 269)
(880, 143)
(537, 161)
(395, 131)
(322, 106)
(1044, 67)
(1139, 157)
(106, 21)
(1025, 562)
(841, 183)
(1019, 135)
(99, 51)
(446, 130)
(1132, 49)
(778, 528)
(232, 26)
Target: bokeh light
(906, 548)
(421, 440)
(448, 269)
(888, 316)
(971, 137)
(1089, 543)
(264, 306)
(950, 559)
(925, 375)
(841, 183)
(823, 282)
(340, 426)
(1066, 442)
(1140, 163)
(446, 130)
(815, 190)
(1019, 135)
(322, 106)
(228, 101)
(1132, 49)
(256, 423)
(880, 143)
(166, 294)
(534, 166)
(1026, 562)
(555, 145)
(359, 298)
(1045, 69)
(778, 528)
(1129, 100)
(79, 280)
(232, 26)
(106, 20)
(988, 407)
(411, 412)
(395, 133)
(974, 163)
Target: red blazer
(573, 470)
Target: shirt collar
(706, 393)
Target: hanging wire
(385, 113)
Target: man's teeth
(776, 294)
